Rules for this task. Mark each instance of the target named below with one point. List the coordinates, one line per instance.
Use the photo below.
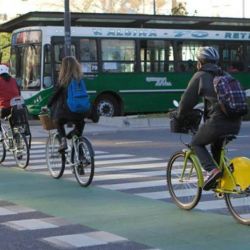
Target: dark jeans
(79, 126)
(209, 133)
(3, 113)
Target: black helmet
(208, 54)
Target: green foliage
(4, 48)
(179, 10)
(107, 6)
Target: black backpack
(230, 95)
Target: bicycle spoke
(183, 182)
(55, 160)
(239, 206)
(21, 150)
(2, 151)
(84, 159)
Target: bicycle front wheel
(55, 160)
(2, 152)
(83, 158)
(182, 181)
(21, 150)
(239, 206)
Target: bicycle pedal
(219, 195)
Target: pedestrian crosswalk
(140, 176)
(24, 226)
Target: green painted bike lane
(151, 222)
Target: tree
(106, 6)
(4, 48)
(179, 10)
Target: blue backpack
(78, 100)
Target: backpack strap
(214, 74)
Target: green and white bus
(129, 67)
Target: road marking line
(132, 142)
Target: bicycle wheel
(2, 152)
(21, 150)
(55, 160)
(239, 206)
(183, 182)
(85, 167)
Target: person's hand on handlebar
(44, 109)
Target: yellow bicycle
(185, 177)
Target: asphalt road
(126, 207)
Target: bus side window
(58, 52)
(156, 56)
(185, 55)
(118, 55)
(47, 70)
(88, 55)
(248, 58)
(233, 57)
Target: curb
(133, 122)
(124, 122)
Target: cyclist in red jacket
(8, 90)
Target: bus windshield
(25, 65)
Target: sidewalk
(107, 124)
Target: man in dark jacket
(216, 122)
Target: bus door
(58, 54)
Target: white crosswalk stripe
(141, 176)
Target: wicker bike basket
(47, 122)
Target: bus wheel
(107, 105)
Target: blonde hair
(70, 68)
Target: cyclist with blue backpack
(70, 102)
(216, 121)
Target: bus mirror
(176, 103)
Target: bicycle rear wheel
(21, 150)
(85, 167)
(55, 160)
(2, 152)
(239, 206)
(182, 181)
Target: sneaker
(210, 182)
(80, 170)
(63, 145)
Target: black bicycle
(16, 137)
(79, 155)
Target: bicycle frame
(5, 129)
(68, 154)
(227, 183)
(189, 154)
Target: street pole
(243, 8)
(67, 34)
(154, 7)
